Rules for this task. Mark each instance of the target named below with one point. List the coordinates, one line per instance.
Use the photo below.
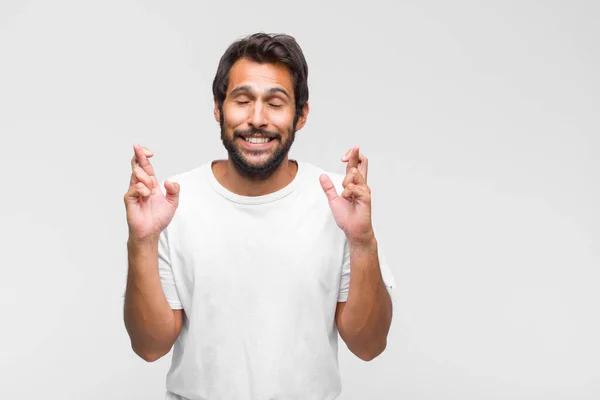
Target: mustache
(255, 131)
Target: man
(251, 266)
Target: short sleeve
(165, 270)
(386, 273)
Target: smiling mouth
(257, 140)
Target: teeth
(257, 140)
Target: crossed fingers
(356, 160)
(355, 181)
(142, 171)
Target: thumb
(172, 194)
(328, 187)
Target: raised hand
(149, 212)
(352, 209)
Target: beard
(264, 170)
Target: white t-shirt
(259, 279)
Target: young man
(251, 266)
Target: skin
(151, 324)
(364, 320)
(260, 97)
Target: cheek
(282, 120)
(235, 116)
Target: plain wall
(481, 124)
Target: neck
(228, 176)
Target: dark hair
(265, 48)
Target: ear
(303, 117)
(216, 112)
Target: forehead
(260, 76)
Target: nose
(257, 118)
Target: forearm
(367, 315)
(149, 319)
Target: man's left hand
(352, 209)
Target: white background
(481, 124)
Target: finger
(354, 191)
(363, 166)
(345, 157)
(362, 162)
(172, 192)
(148, 154)
(328, 187)
(138, 190)
(353, 159)
(143, 190)
(353, 176)
(142, 160)
(139, 175)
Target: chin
(259, 164)
(257, 168)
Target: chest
(253, 258)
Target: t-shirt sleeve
(165, 270)
(386, 273)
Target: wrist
(137, 242)
(367, 242)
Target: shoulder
(312, 174)
(190, 175)
(192, 182)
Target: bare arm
(151, 324)
(364, 320)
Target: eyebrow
(248, 88)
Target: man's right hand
(149, 212)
